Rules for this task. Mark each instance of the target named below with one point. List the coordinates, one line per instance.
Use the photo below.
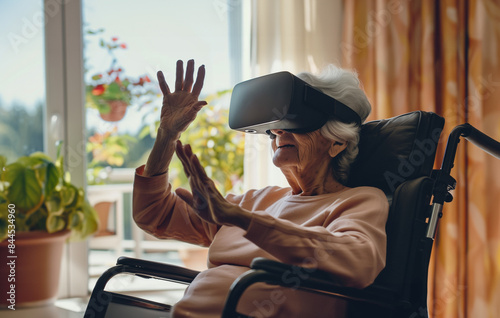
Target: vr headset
(283, 101)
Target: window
(22, 85)
(41, 61)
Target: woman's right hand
(180, 108)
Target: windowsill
(64, 308)
(75, 307)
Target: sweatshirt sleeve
(161, 213)
(351, 244)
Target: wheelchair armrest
(147, 269)
(309, 279)
(100, 299)
(298, 277)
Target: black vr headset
(283, 101)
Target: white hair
(344, 86)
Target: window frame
(64, 104)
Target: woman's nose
(277, 131)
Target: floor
(75, 307)
(154, 290)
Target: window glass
(22, 84)
(126, 43)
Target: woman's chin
(283, 158)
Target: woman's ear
(336, 148)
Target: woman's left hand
(205, 199)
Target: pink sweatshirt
(342, 233)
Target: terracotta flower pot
(118, 108)
(30, 276)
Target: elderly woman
(317, 222)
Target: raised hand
(180, 108)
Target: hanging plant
(111, 92)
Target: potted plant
(111, 91)
(39, 209)
(108, 148)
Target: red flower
(123, 46)
(143, 80)
(114, 39)
(98, 90)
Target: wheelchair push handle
(473, 135)
(481, 140)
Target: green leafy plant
(43, 197)
(108, 148)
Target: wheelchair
(397, 156)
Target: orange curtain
(442, 56)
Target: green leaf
(25, 190)
(3, 199)
(30, 161)
(35, 221)
(51, 179)
(113, 88)
(54, 204)
(3, 229)
(41, 156)
(46, 170)
(55, 223)
(3, 163)
(68, 194)
(89, 223)
(75, 220)
(4, 224)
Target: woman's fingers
(186, 196)
(199, 105)
(163, 84)
(204, 196)
(179, 75)
(198, 168)
(188, 81)
(200, 78)
(198, 178)
(181, 153)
